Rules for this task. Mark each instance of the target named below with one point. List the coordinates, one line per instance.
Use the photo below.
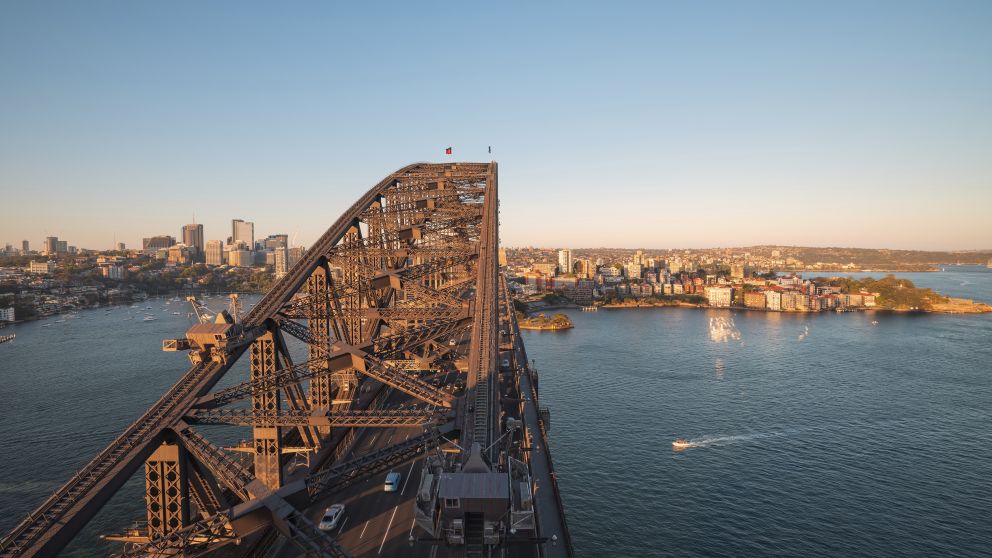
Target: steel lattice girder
(225, 469)
(201, 535)
(337, 477)
(299, 311)
(380, 278)
(386, 346)
(336, 419)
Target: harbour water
(814, 435)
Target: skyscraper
(51, 245)
(215, 252)
(243, 231)
(193, 238)
(276, 241)
(25, 247)
(564, 261)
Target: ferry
(681, 444)
(6, 338)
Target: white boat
(681, 444)
(148, 319)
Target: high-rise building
(564, 260)
(240, 258)
(62, 246)
(243, 231)
(295, 255)
(193, 238)
(215, 252)
(51, 245)
(281, 262)
(276, 241)
(121, 247)
(25, 247)
(156, 242)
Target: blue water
(846, 439)
(70, 386)
(858, 439)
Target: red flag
(447, 151)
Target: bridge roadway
(378, 523)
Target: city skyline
(840, 125)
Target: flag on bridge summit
(447, 151)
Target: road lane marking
(341, 528)
(413, 524)
(408, 477)
(386, 534)
(364, 528)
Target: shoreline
(546, 328)
(135, 300)
(954, 307)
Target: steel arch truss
(391, 281)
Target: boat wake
(709, 441)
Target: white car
(331, 517)
(392, 482)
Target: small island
(542, 322)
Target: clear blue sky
(662, 124)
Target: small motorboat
(681, 444)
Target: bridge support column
(166, 490)
(319, 322)
(268, 451)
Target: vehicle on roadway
(392, 482)
(506, 363)
(452, 342)
(331, 517)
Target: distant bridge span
(405, 322)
